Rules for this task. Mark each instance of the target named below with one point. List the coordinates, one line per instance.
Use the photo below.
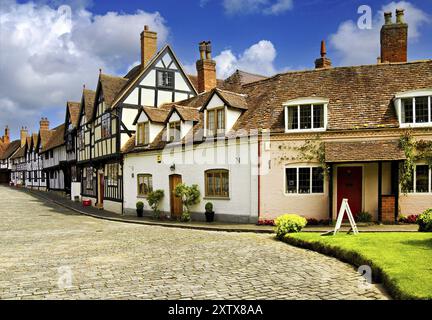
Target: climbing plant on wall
(312, 150)
(414, 151)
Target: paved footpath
(49, 252)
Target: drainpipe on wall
(259, 176)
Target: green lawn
(403, 261)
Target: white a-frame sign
(345, 208)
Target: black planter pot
(209, 216)
(139, 212)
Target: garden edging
(354, 259)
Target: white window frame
(415, 181)
(297, 167)
(301, 102)
(412, 95)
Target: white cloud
(45, 57)
(355, 46)
(259, 58)
(268, 7)
(279, 7)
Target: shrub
(154, 198)
(401, 218)
(364, 216)
(289, 223)
(425, 221)
(312, 222)
(190, 195)
(140, 205)
(209, 207)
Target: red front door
(349, 186)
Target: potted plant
(139, 208)
(209, 213)
(190, 196)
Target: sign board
(345, 208)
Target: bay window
(106, 125)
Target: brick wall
(388, 209)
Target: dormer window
(414, 108)
(143, 133)
(165, 79)
(174, 131)
(306, 114)
(215, 121)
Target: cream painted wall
(128, 117)
(243, 181)
(147, 97)
(275, 202)
(164, 97)
(133, 97)
(112, 206)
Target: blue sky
(45, 60)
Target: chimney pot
(146, 28)
(323, 62)
(400, 16)
(388, 17)
(206, 68)
(208, 50)
(202, 49)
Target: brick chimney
(23, 136)
(394, 38)
(206, 68)
(323, 62)
(44, 124)
(148, 45)
(6, 137)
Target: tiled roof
(56, 138)
(10, 149)
(360, 97)
(186, 113)
(232, 99)
(155, 114)
(194, 80)
(19, 153)
(45, 136)
(374, 150)
(73, 108)
(111, 87)
(89, 97)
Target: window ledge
(305, 130)
(216, 198)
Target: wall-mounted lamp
(172, 168)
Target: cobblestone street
(42, 244)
